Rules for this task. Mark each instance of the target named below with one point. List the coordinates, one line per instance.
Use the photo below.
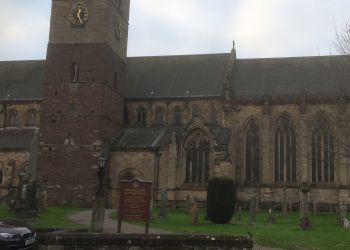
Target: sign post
(134, 202)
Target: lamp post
(101, 173)
(98, 210)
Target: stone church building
(269, 124)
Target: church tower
(83, 94)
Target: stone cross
(163, 204)
(252, 211)
(304, 222)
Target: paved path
(110, 225)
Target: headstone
(290, 204)
(188, 204)
(315, 207)
(239, 213)
(304, 222)
(271, 218)
(342, 212)
(284, 203)
(44, 200)
(331, 208)
(163, 205)
(252, 212)
(194, 212)
(258, 198)
(346, 224)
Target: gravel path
(110, 225)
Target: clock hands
(78, 15)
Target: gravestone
(188, 204)
(304, 222)
(252, 212)
(163, 205)
(239, 213)
(194, 212)
(346, 224)
(342, 212)
(284, 203)
(315, 207)
(290, 204)
(271, 217)
(43, 202)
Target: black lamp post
(101, 173)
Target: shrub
(220, 199)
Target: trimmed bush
(220, 199)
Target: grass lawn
(54, 217)
(326, 234)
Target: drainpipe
(157, 155)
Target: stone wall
(70, 241)
(22, 108)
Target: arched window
(12, 119)
(212, 114)
(197, 149)
(252, 152)
(195, 111)
(159, 116)
(285, 150)
(141, 116)
(322, 151)
(31, 117)
(177, 116)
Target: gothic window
(195, 111)
(212, 114)
(12, 119)
(141, 116)
(252, 152)
(75, 72)
(322, 151)
(197, 149)
(285, 150)
(159, 116)
(31, 117)
(177, 115)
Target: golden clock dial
(79, 14)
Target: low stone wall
(87, 241)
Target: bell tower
(83, 94)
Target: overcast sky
(260, 28)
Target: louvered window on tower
(75, 72)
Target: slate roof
(144, 137)
(21, 80)
(315, 76)
(16, 138)
(201, 75)
(173, 76)
(153, 138)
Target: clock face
(78, 14)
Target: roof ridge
(173, 56)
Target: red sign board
(134, 202)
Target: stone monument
(163, 205)
(304, 222)
(284, 203)
(252, 212)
